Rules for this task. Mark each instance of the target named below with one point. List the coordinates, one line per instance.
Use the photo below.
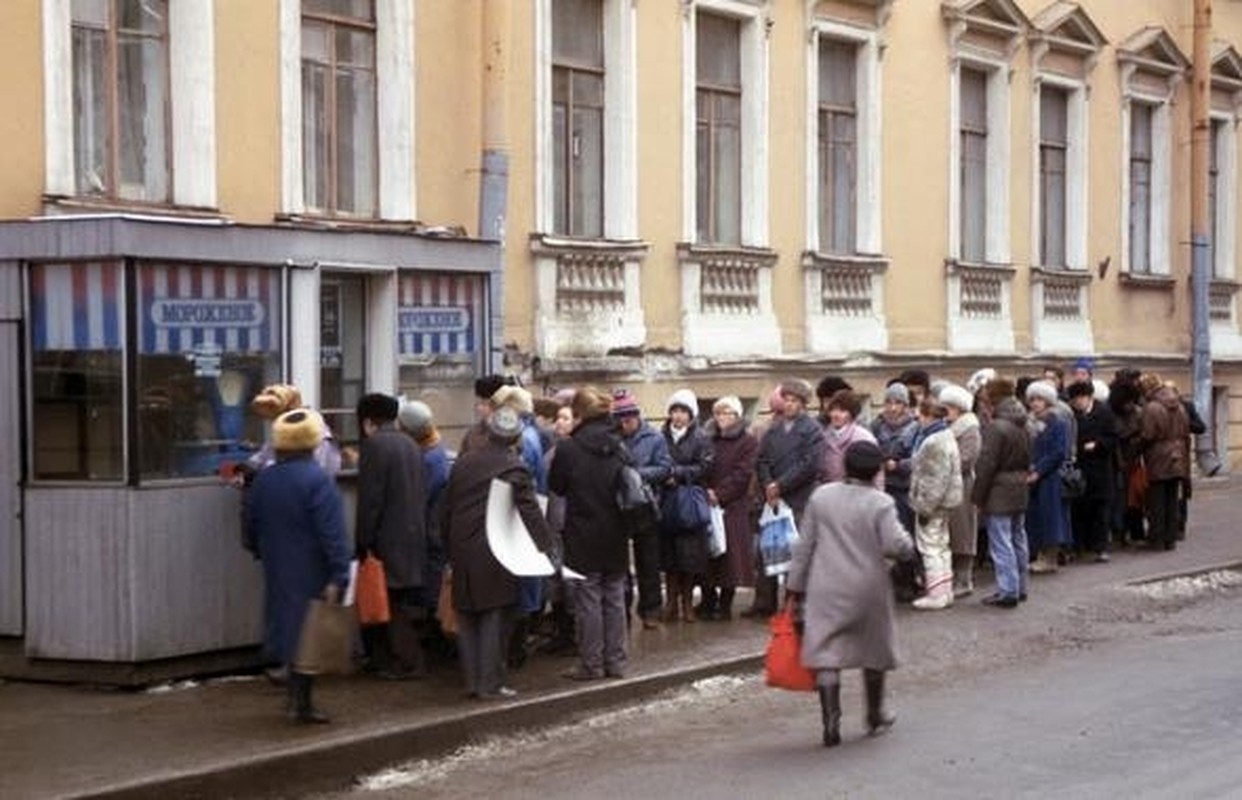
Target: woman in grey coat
(840, 572)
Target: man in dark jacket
(1097, 452)
(790, 454)
(595, 538)
(1002, 494)
(392, 525)
(650, 456)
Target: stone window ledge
(752, 256)
(545, 244)
(1138, 280)
(1060, 275)
(60, 205)
(954, 267)
(873, 264)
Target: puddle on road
(1188, 587)
(433, 769)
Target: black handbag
(1073, 482)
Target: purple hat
(624, 404)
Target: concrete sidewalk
(229, 737)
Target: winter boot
(672, 596)
(706, 609)
(724, 609)
(687, 599)
(963, 576)
(517, 642)
(305, 712)
(830, 711)
(879, 719)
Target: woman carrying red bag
(840, 573)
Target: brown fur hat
(276, 399)
(997, 390)
(299, 430)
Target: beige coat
(848, 530)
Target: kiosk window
(342, 353)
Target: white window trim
(868, 93)
(755, 100)
(192, 98)
(1226, 223)
(395, 108)
(620, 120)
(1160, 254)
(1076, 165)
(997, 233)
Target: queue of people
(1027, 473)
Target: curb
(1191, 572)
(330, 764)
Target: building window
(838, 146)
(1141, 119)
(718, 141)
(339, 137)
(1053, 155)
(77, 343)
(974, 165)
(342, 352)
(209, 339)
(120, 99)
(578, 117)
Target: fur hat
(897, 392)
(486, 386)
(377, 407)
(957, 397)
(830, 385)
(997, 390)
(590, 403)
(863, 460)
(275, 400)
(505, 423)
(514, 397)
(1043, 390)
(980, 379)
(776, 402)
(625, 404)
(296, 431)
(730, 402)
(795, 387)
(685, 399)
(415, 416)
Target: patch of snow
(1190, 586)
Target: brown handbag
(326, 645)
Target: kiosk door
(11, 561)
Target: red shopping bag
(372, 594)
(783, 661)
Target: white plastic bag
(716, 541)
(777, 536)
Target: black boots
(879, 720)
(301, 709)
(830, 710)
(724, 608)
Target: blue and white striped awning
(189, 308)
(439, 314)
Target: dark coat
(732, 469)
(392, 506)
(684, 550)
(1098, 462)
(584, 473)
(480, 583)
(649, 450)
(295, 512)
(896, 442)
(1165, 431)
(792, 458)
(1047, 524)
(1004, 461)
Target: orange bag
(372, 593)
(445, 611)
(783, 661)
(1136, 488)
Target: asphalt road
(1150, 711)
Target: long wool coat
(392, 506)
(839, 564)
(733, 466)
(792, 458)
(1046, 522)
(683, 550)
(963, 522)
(294, 511)
(480, 583)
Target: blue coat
(295, 512)
(1047, 524)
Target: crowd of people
(1027, 474)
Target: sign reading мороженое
(433, 319)
(207, 313)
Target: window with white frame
(837, 121)
(578, 105)
(120, 90)
(339, 122)
(1142, 130)
(1053, 162)
(974, 164)
(718, 129)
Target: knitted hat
(776, 403)
(377, 407)
(795, 387)
(275, 400)
(486, 386)
(1043, 390)
(863, 460)
(980, 379)
(683, 398)
(514, 397)
(625, 404)
(590, 403)
(298, 430)
(957, 397)
(730, 402)
(897, 393)
(505, 423)
(1087, 364)
(414, 415)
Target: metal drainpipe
(1201, 234)
(494, 180)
